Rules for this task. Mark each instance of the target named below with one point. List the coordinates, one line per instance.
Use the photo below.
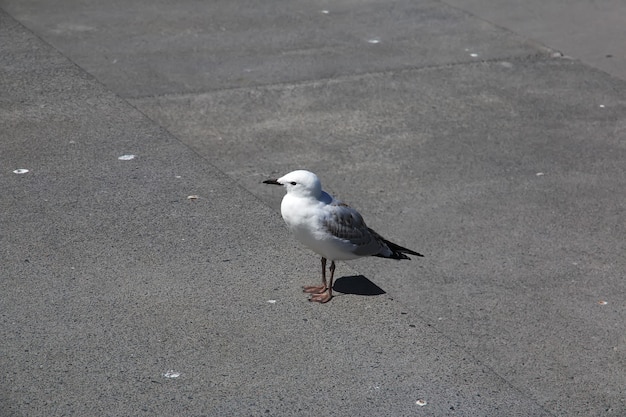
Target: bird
(329, 227)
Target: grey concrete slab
(122, 296)
(140, 48)
(519, 265)
(505, 174)
(592, 31)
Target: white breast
(305, 217)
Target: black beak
(272, 182)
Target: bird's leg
(318, 289)
(332, 276)
(325, 296)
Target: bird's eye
(292, 183)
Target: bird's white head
(301, 183)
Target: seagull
(330, 228)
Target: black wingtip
(394, 255)
(400, 251)
(397, 252)
(405, 250)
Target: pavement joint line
(542, 55)
(476, 359)
(524, 39)
(543, 52)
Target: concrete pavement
(490, 153)
(591, 31)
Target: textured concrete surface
(497, 158)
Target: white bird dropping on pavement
(330, 228)
(127, 157)
(171, 374)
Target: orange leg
(325, 295)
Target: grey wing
(346, 223)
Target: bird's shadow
(357, 285)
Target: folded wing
(346, 223)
